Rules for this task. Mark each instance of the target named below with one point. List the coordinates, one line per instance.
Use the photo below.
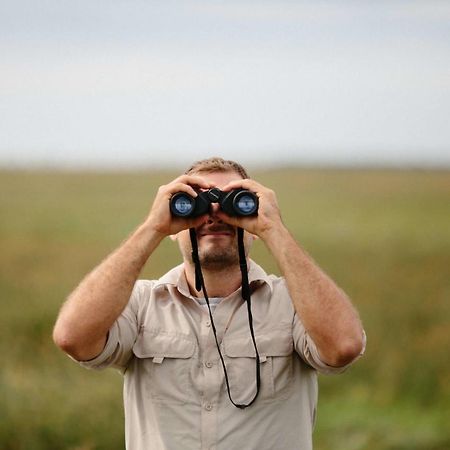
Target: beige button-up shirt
(174, 393)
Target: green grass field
(384, 236)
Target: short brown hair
(216, 164)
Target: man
(159, 334)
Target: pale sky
(137, 83)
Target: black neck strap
(246, 295)
(195, 258)
(243, 266)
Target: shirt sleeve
(306, 348)
(122, 335)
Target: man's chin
(218, 261)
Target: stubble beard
(217, 259)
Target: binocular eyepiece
(238, 202)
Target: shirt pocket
(276, 365)
(165, 363)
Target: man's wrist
(150, 233)
(272, 234)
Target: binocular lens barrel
(182, 204)
(245, 204)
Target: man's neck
(219, 283)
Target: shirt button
(208, 324)
(208, 364)
(208, 407)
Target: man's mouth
(216, 231)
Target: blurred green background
(383, 235)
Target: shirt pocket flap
(275, 344)
(154, 345)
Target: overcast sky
(140, 83)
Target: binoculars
(238, 202)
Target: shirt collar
(257, 274)
(176, 277)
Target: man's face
(217, 241)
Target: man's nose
(214, 207)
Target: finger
(194, 180)
(196, 221)
(183, 223)
(233, 220)
(248, 184)
(181, 187)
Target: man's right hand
(160, 218)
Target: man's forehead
(219, 178)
